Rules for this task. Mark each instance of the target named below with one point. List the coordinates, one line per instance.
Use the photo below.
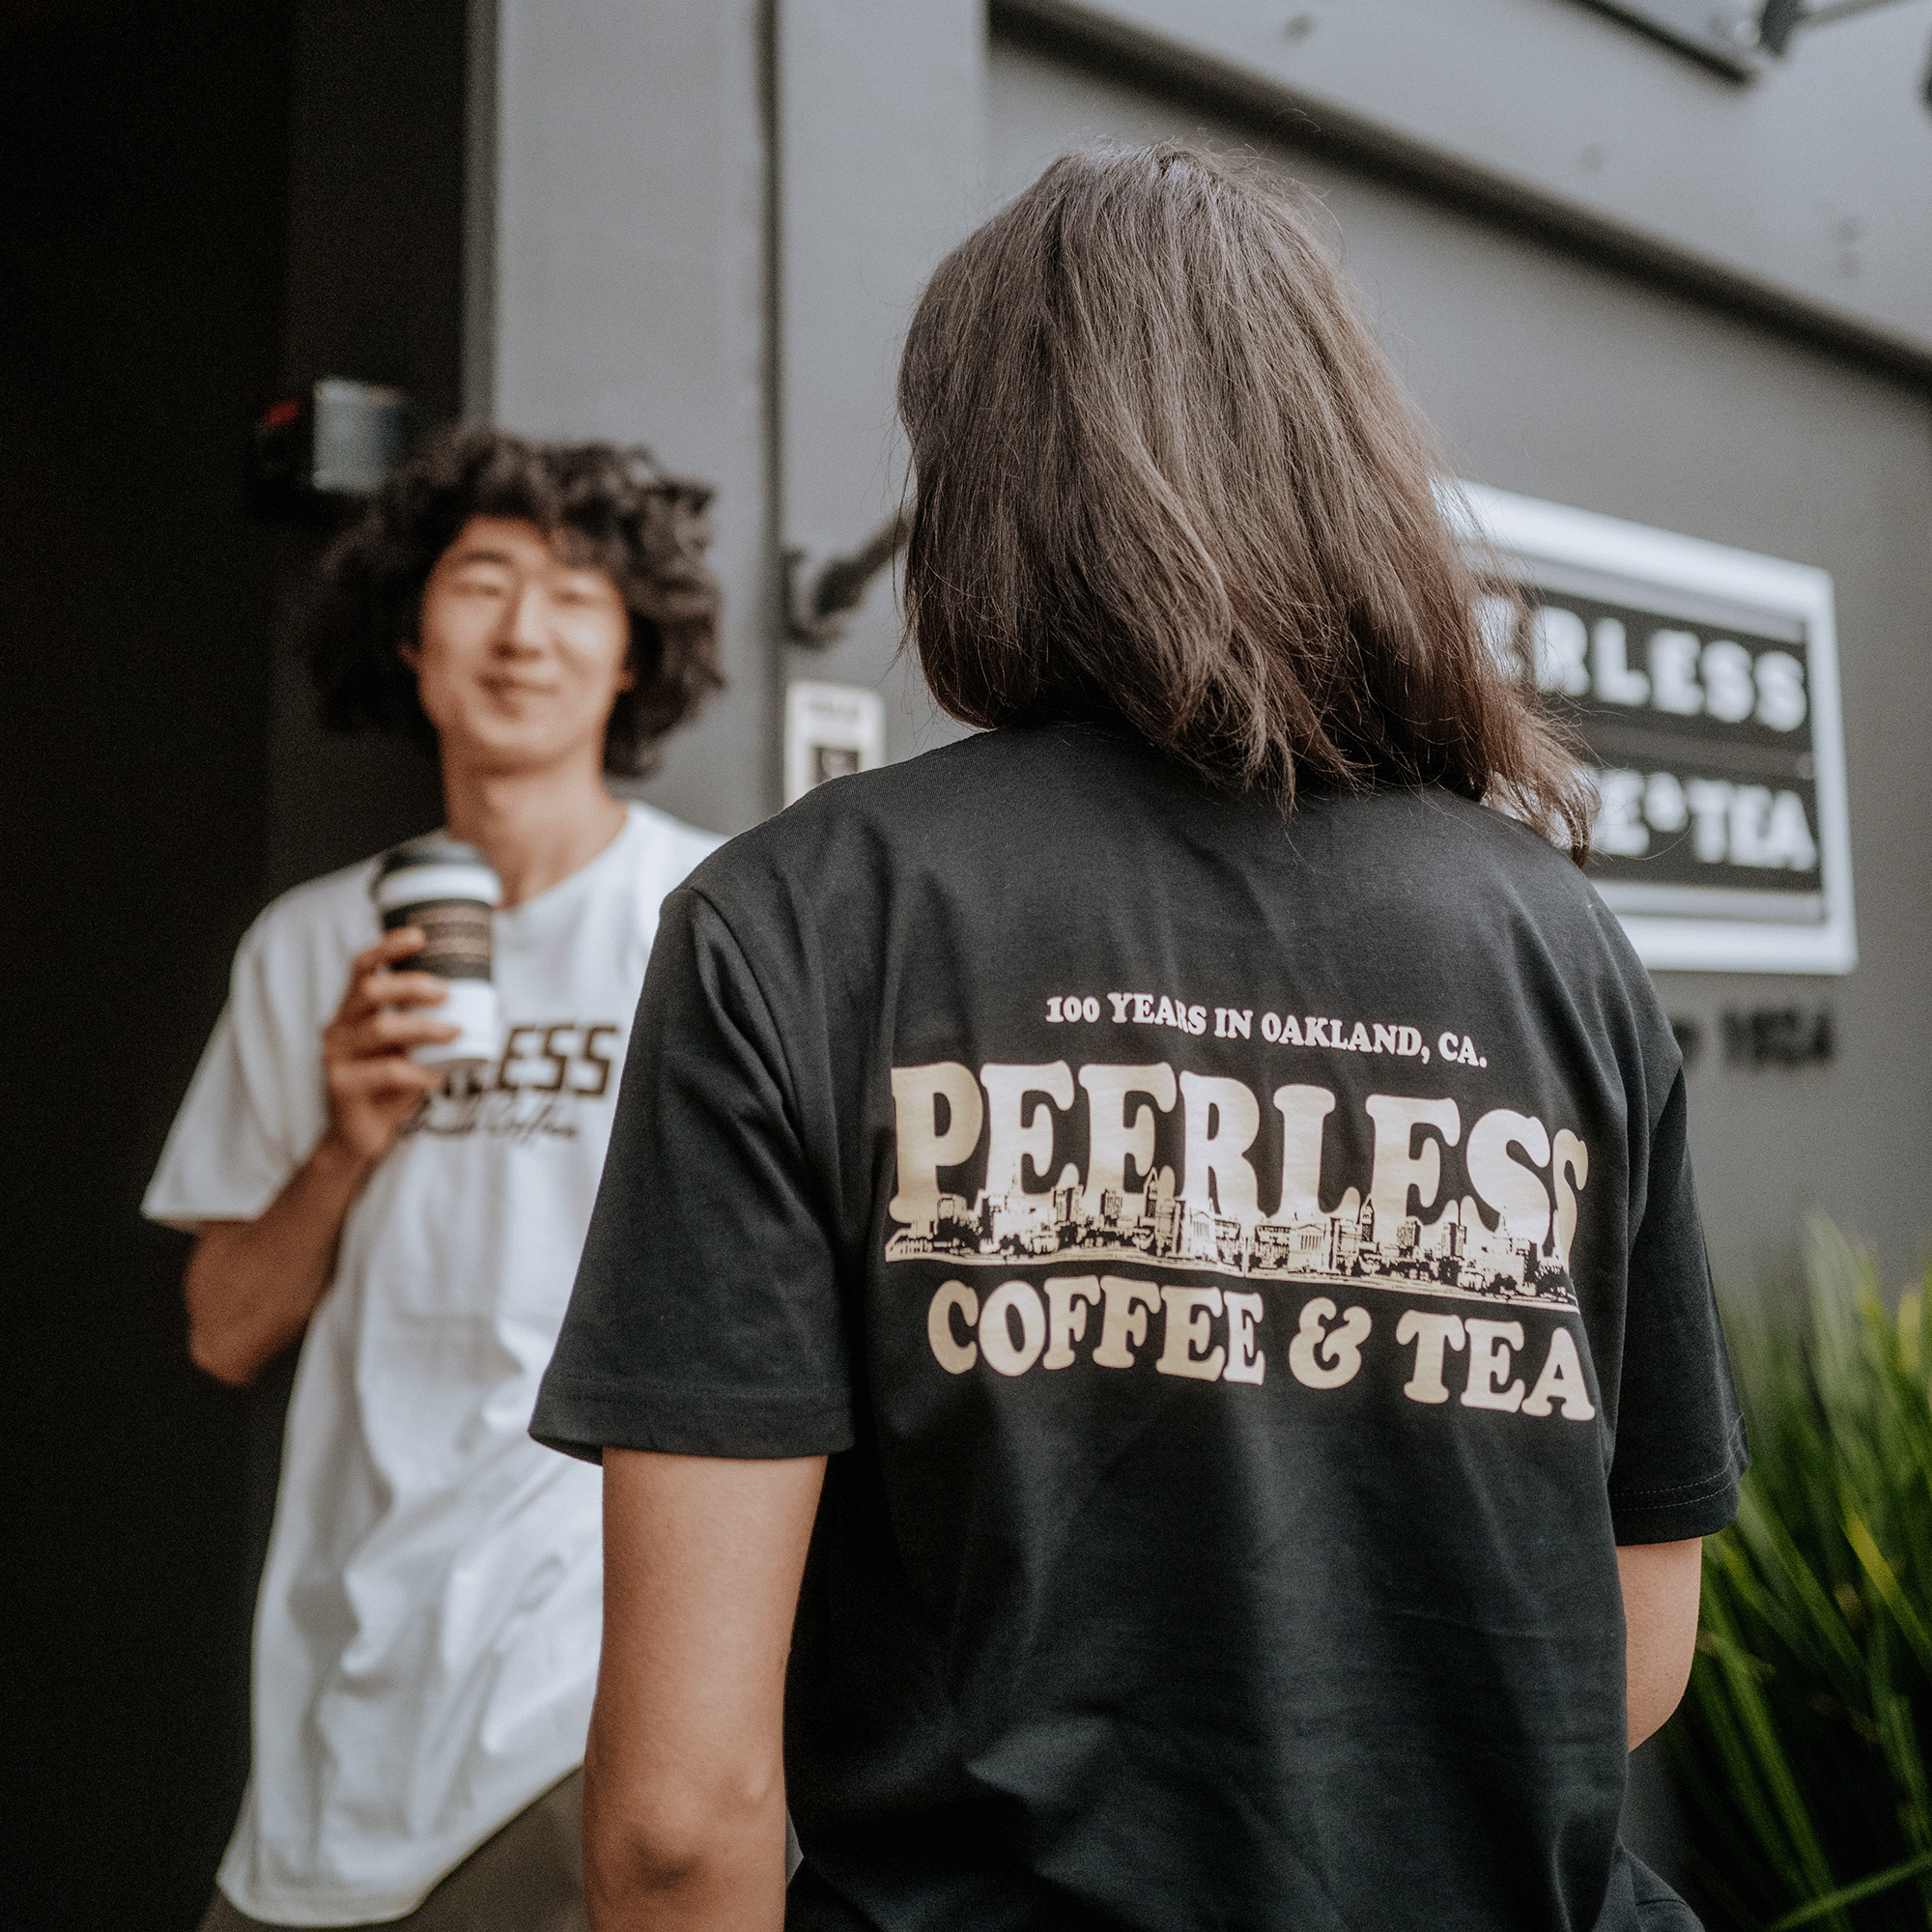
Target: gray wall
(1551, 377)
(881, 115)
(626, 287)
(1616, 280)
(1802, 189)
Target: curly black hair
(605, 508)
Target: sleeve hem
(191, 1220)
(1678, 1524)
(1681, 1510)
(581, 1423)
(173, 1210)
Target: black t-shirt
(1246, 1274)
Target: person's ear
(411, 653)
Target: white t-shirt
(427, 1633)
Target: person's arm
(251, 1286)
(1661, 1583)
(684, 1811)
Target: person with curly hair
(426, 1639)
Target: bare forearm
(252, 1286)
(684, 1777)
(1661, 1583)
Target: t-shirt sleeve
(257, 1104)
(1680, 1441)
(706, 1318)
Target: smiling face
(519, 655)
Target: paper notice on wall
(830, 730)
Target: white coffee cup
(451, 891)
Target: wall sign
(1705, 683)
(830, 730)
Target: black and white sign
(830, 730)
(1704, 682)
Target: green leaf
(1850, 1894)
(1797, 1753)
(1865, 1548)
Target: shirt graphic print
(536, 1089)
(1169, 1181)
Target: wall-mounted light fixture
(822, 591)
(318, 448)
(1735, 37)
(1723, 35)
(1781, 20)
(1778, 20)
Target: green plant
(1800, 1755)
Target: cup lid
(435, 867)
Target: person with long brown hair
(1146, 1322)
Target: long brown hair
(1164, 473)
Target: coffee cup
(451, 891)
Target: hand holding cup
(373, 1084)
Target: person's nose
(529, 626)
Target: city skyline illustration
(1456, 1255)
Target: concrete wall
(1616, 279)
(1555, 378)
(626, 289)
(1802, 189)
(881, 114)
